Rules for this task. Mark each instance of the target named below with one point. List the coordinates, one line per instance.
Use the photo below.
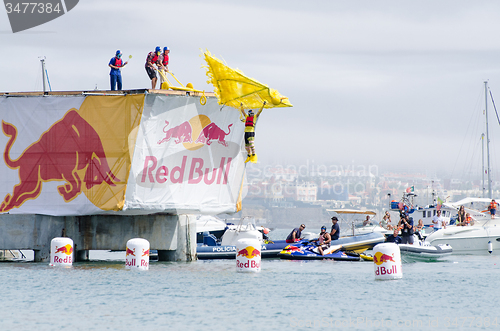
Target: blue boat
(212, 249)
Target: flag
(234, 89)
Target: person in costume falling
(250, 122)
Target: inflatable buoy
(137, 254)
(248, 255)
(387, 261)
(61, 252)
(490, 247)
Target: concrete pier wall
(174, 236)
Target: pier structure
(174, 236)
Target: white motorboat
(212, 224)
(423, 251)
(480, 238)
(424, 213)
(476, 207)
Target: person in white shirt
(438, 221)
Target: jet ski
(309, 251)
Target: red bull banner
(188, 157)
(67, 155)
(132, 154)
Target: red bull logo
(70, 151)
(249, 252)
(130, 252)
(67, 249)
(145, 252)
(380, 258)
(199, 127)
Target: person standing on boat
(115, 74)
(418, 229)
(250, 122)
(164, 64)
(323, 240)
(493, 208)
(152, 60)
(394, 238)
(407, 230)
(296, 234)
(386, 221)
(438, 221)
(335, 232)
(461, 217)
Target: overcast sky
(396, 84)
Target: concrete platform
(174, 236)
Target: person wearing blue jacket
(115, 74)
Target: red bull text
(386, 271)
(251, 264)
(155, 173)
(61, 260)
(132, 263)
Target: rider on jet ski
(323, 240)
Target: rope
(493, 101)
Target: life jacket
(154, 59)
(118, 62)
(250, 121)
(165, 60)
(468, 219)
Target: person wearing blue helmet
(323, 240)
(153, 59)
(115, 74)
(164, 64)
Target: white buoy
(490, 246)
(137, 254)
(387, 261)
(61, 252)
(248, 255)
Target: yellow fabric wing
(233, 88)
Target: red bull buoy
(137, 254)
(61, 252)
(387, 261)
(248, 255)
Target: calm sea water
(460, 293)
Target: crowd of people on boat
(403, 232)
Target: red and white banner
(132, 154)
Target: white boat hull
(468, 239)
(425, 252)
